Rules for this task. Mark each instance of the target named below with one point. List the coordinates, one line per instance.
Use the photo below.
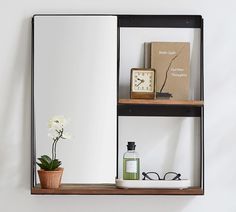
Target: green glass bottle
(131, 163)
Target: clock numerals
(143, 81)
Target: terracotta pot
(50, 179)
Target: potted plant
(50, 173)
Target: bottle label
(131, 166)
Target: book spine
(147, 55)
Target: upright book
(171, 62)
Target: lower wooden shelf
(110, 189)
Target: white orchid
(57, 122)
(66, 135)
(52, 134)
(56, 131)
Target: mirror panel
(75, 75)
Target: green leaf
(42, 166)
(55, 164)
(44, 162)
(48, 164)
(46, 158)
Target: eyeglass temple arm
(176, 177)
(145, 176)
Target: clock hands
(141, 81)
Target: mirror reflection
(74, 102)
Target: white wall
(220, 116)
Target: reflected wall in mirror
(75, 75)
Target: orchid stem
(54, 145)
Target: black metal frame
(33, 142)
(163, 21)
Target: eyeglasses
(156, 176)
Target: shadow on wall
(15, 132)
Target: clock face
(143, 81)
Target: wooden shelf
(108, 189)
(155, 107)
(196, 103)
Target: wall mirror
(81, 71)
(75, 77)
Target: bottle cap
(131, 145)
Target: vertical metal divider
(117, 114)
(202, 175)
(33, 144)
(202, 108)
